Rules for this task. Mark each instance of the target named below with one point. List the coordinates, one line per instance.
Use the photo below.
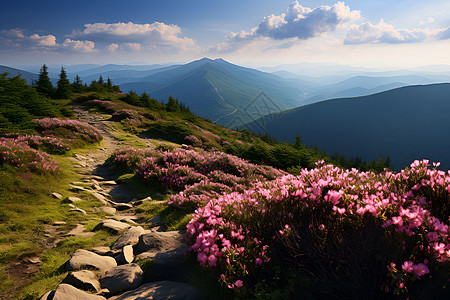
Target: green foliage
(20, 103)
(64, 89)
(43, 84)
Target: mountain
(405, 124)
(28, 76)
(223, 92)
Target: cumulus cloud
(16, 39)
(81, 46)
(136, 36)
(368, 33)
(301, 22)
(297, 23)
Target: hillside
(28, 76)
(405, 124)
(220, 91)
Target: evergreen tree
(43, 84)
(64, 88)
(77, 85)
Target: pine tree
(43, 84)
(64, 88)
(77, 85)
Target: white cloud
(384, 33)
(112, 47)
(136, 36)
(81, 46)
(301, 22)
(44, 40)
(297, 23)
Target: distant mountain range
(405, 124)
(28, 76)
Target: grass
(26, 208)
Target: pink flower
(408, 266)
(421, 269)
(258, 261)
(238, 283)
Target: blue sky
(385, 33)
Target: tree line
(64, 88)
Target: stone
(107, 209)
(78, 188)
(85, 280)
(84, 260)
(102, 250)
(48, 296)
(121, 206)
(135, 201)
(129, 237)
(77, 183)
(161, 290)
(99, 197)
(95, 177)
(126, 256)
(57, 195)
(79, 230)
(109, 182)
(156, 221)
(159, 241)
(73, 199)
(67, 292)
(59, 223)
(34, 260)
(77, 209)
(127, 218)
(122, 278)
(168, 265)
(112, 225)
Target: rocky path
(112, 272)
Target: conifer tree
(64, 88)
(77, 85)
(43, 84)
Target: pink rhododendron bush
(351, 234)
(18, 153)
(73, 131)
(197, 175)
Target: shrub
(357, 234)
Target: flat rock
(73, 199)
(112, 225)
(122, 278)
(160, 241)
(67, 292)
(107, 209)
(83, 260)
(77, 209)
(59, 223)
(99, 197)
(131, 219)
(129, 237)
(57, 195)
(126, 256)
(34, 260)
(95, 177)
(135, 201)
(109, 182)
(121, 206)
(162, 290)
(156, 221)
(78, 188)
(168, 265)
(48, 296)
(85, 280)
(80, 230)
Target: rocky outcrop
(130, 237)
(112, 225)
(67, 292)
(162, 290)
(85, 280)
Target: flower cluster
(411, 208)
(18, 153)
(77, 129)
(108, 106)
(46, 143)
(197, 175)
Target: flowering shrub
(193, 140)
(196, 174)
(356, 233)
(107, 106)
(69, 129)
(18, 153)
(48, 144)
(125, 114)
